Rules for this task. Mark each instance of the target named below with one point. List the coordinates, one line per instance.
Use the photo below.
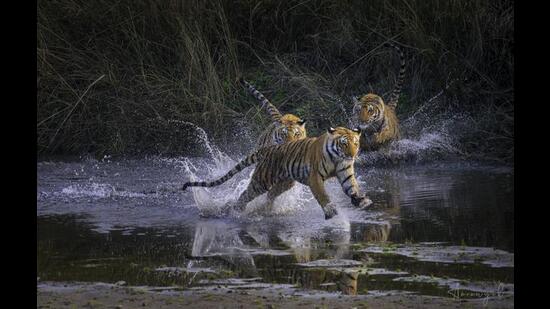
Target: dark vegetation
(111, 73)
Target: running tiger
(284, 128)
(378, 119)
(310, 161)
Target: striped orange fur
(284, 128)
(310, 161)
(377, 119)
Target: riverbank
(102, 295)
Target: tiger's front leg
(317, 186)
(346, 176)
(360, 201)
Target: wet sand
(101, 295)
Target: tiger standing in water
(283, 128)
(377, 119)
(311, 161)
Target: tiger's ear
(302, 122)
(331, 130)
(357, 130)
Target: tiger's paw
(330, 211)
(361, 201)
(365, 202)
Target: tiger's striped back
(329, 155)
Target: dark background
(110, 74)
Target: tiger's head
(343, 143)
(369, 110)
(291, 128)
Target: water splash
(217, 155)
(425, 136)
(432, 132)
(97, 190)
(351, 120)
(212, 201)
(215, 238)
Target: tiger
(310, 161)
(283, 128)
(377, 119)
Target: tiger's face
(369, 109)
(292, 128)
(344, 143)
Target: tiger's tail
(271, 109)
(394, 97)
(251, 159)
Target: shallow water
(437, 229)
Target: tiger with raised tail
(311, 161)
(377, 119)
(283, 128)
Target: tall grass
(107, 70)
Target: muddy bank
(101, 295)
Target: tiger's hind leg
(276, 190)
(252, 191)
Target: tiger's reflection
(240, 249)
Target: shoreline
(103, 295)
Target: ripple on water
(426, 205)
(331, 263)
(433, 252)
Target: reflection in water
(94, 226)
(371, 232)
(219, 239)
(470, 207)
(347, 282)
(259, 251)
(339, 279)
(301, 249)
(214, 238)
